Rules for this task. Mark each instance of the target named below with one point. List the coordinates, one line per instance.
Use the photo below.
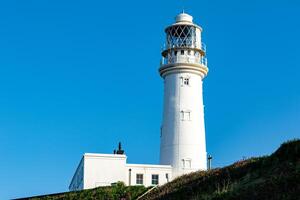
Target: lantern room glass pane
(181, 36)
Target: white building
(96, 170)
(183, 147)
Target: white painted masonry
(97, 170)
(164, 173)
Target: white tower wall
(183, 69)
(183, 133)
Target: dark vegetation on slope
(265, 178)
(271, 177)
(118, 191)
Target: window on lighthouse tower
(185, 115)
(185, 81)
(187, 163)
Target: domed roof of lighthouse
(183, 17)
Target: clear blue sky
(79, 76)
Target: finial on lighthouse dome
(183, 17)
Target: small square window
(182, 52)
(139, 179)
(185, 115)
(189, 52)
(186, 163)
(185, 81)
(155, 179)
(175, 53)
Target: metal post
(209, 159)
(129, 181)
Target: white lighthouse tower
(183, 68)
(183, 147)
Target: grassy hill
(118, 191)
(265, 178)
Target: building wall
(164, 173)
(103, 169)
(77, 180)
(97, 170)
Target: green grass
(118, 191)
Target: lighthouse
(183, 68)
(182, 148)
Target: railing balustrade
(166, 47)
(184, 59)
